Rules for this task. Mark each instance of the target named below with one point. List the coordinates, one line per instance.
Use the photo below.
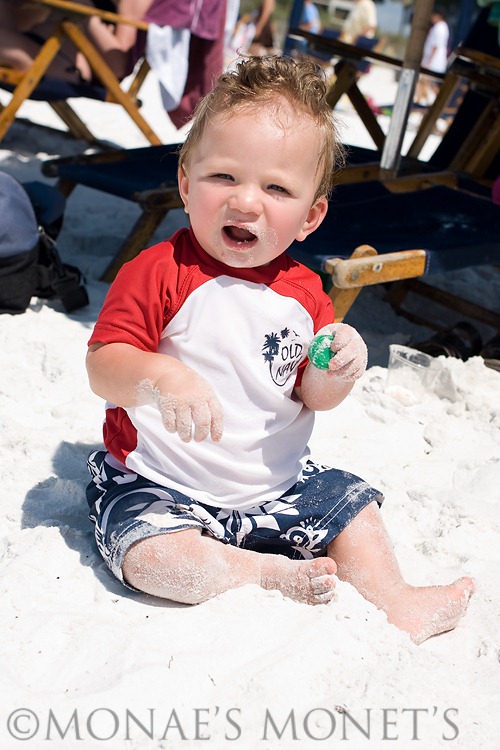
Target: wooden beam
(109, 80)
(450, 301)
(376, 268)
(77, 9)
(343, 299)
(426, 127)
(345, 77)
(391, 155)
(30, 79)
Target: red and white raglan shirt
(246, 331)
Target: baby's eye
(223, 176)
(278, 189)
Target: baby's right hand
(185, 400)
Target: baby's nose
(246, 199)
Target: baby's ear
(316, 214)
(183, 182)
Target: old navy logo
(283, 352)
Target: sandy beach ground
(88, 664)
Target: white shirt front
(246, 332)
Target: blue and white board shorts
(126, 508)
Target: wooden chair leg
(345, 82)
(486, 151)
(367, 116)
(75, 125)
(449, 86)
(137, 240)
(400, 291)
(475, 139)
(345, 76)
(138, 80)
(108, 78)
(29, 82)
(343, 299)
(66, 187)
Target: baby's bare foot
(308, 581)
(426, 611)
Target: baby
(200, 350)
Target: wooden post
(391, 155)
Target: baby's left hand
(351, 354)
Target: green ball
(319, 351)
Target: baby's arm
(326, 388)
(127, 377)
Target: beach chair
(35, 84)
(466, 161)
(472, 142)
(451, 229)
(468, 100)
(348, 61)
(146, 176)
(450, 215)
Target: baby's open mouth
(239, 234)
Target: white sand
(248, 669)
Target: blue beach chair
(146, 176)
(414, 232)
(427, 231)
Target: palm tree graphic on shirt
(282, 352)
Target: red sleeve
(323, 315)
(135, 306)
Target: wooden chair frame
(25, 82)
(154, 203)
(346, 75)
(366, 267)
(348, 276)
(469, 69)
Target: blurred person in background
(310, 19)
(434, 57)
(361, 21)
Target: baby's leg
(364, 556)
(188, 567)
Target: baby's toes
(323, 597)
(321, 566)
(323, 584)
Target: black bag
(30, 265)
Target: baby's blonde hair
(258, 82)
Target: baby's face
(250, 184)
